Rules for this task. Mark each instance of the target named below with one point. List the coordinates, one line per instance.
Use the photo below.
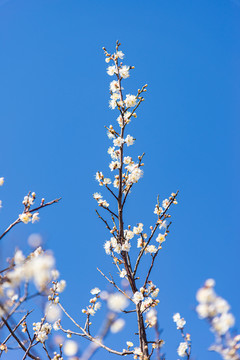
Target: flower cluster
(215, 310)
(184, 348)
(42, 330)
(94, 303)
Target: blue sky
(54, 105)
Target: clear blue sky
(54, 105)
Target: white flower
(25, 217)
(107, 247)
(205, 295)
(112, 104)
(19, 257)
(128, 234)
(42, 331)
(127, 160)
(114, 165)
(1, 181)
(181, 323)
(99, 176)
(151, 249)
(110, 135)
(70, 348)
(114, 86)
(95, 291)
(129, 343)
(130, 100)
(140, 242)
(221, 305)
(165, 203)
(146, 303)
(117, 302)
(97, 306)
(103, 203)
(155, 292)
(117, 326)
(124, 71)
(107, 181)
(56, 326)
(60, 286)
(111, 70)
(204, 310)
(135, 174)
(151, 317)
(118, 141)
(158, 210)
(182, 349)
(137, 351)
(160, 238)
(126, 246)
(210, 283)
(35, 217)
(223, 323)
(120, 54)
(97, 196)
(129, 140)
(123, 273)
(176, 317)
(137, 297)
(137, 230)
(52, 312)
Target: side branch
(30, 211)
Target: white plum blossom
(151, 249)
(35, 217)
(128, 234)
(117, 326)
(114, 165)
(97, 196)
(118, 141)
(111, 70)
(126, 246)
(120, 54)
(127, 160)
(42, 331)
(129, 140)
(70, 348)
(114, 86)
(123, 273)
(130, 101)
(124, 71)
(183, 346)
(138, 229)
(160, 238)
(107, 247)
(95, 291)
(1, 181)
(165, 203)
(25, 217)
(180, 322)
(137, 297)
(151, 317)
(117, 302)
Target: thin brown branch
(17, 221)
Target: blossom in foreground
(117, 326)
(182, 349)
(1, 181)
(117, 302)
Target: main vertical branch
(126, 259)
